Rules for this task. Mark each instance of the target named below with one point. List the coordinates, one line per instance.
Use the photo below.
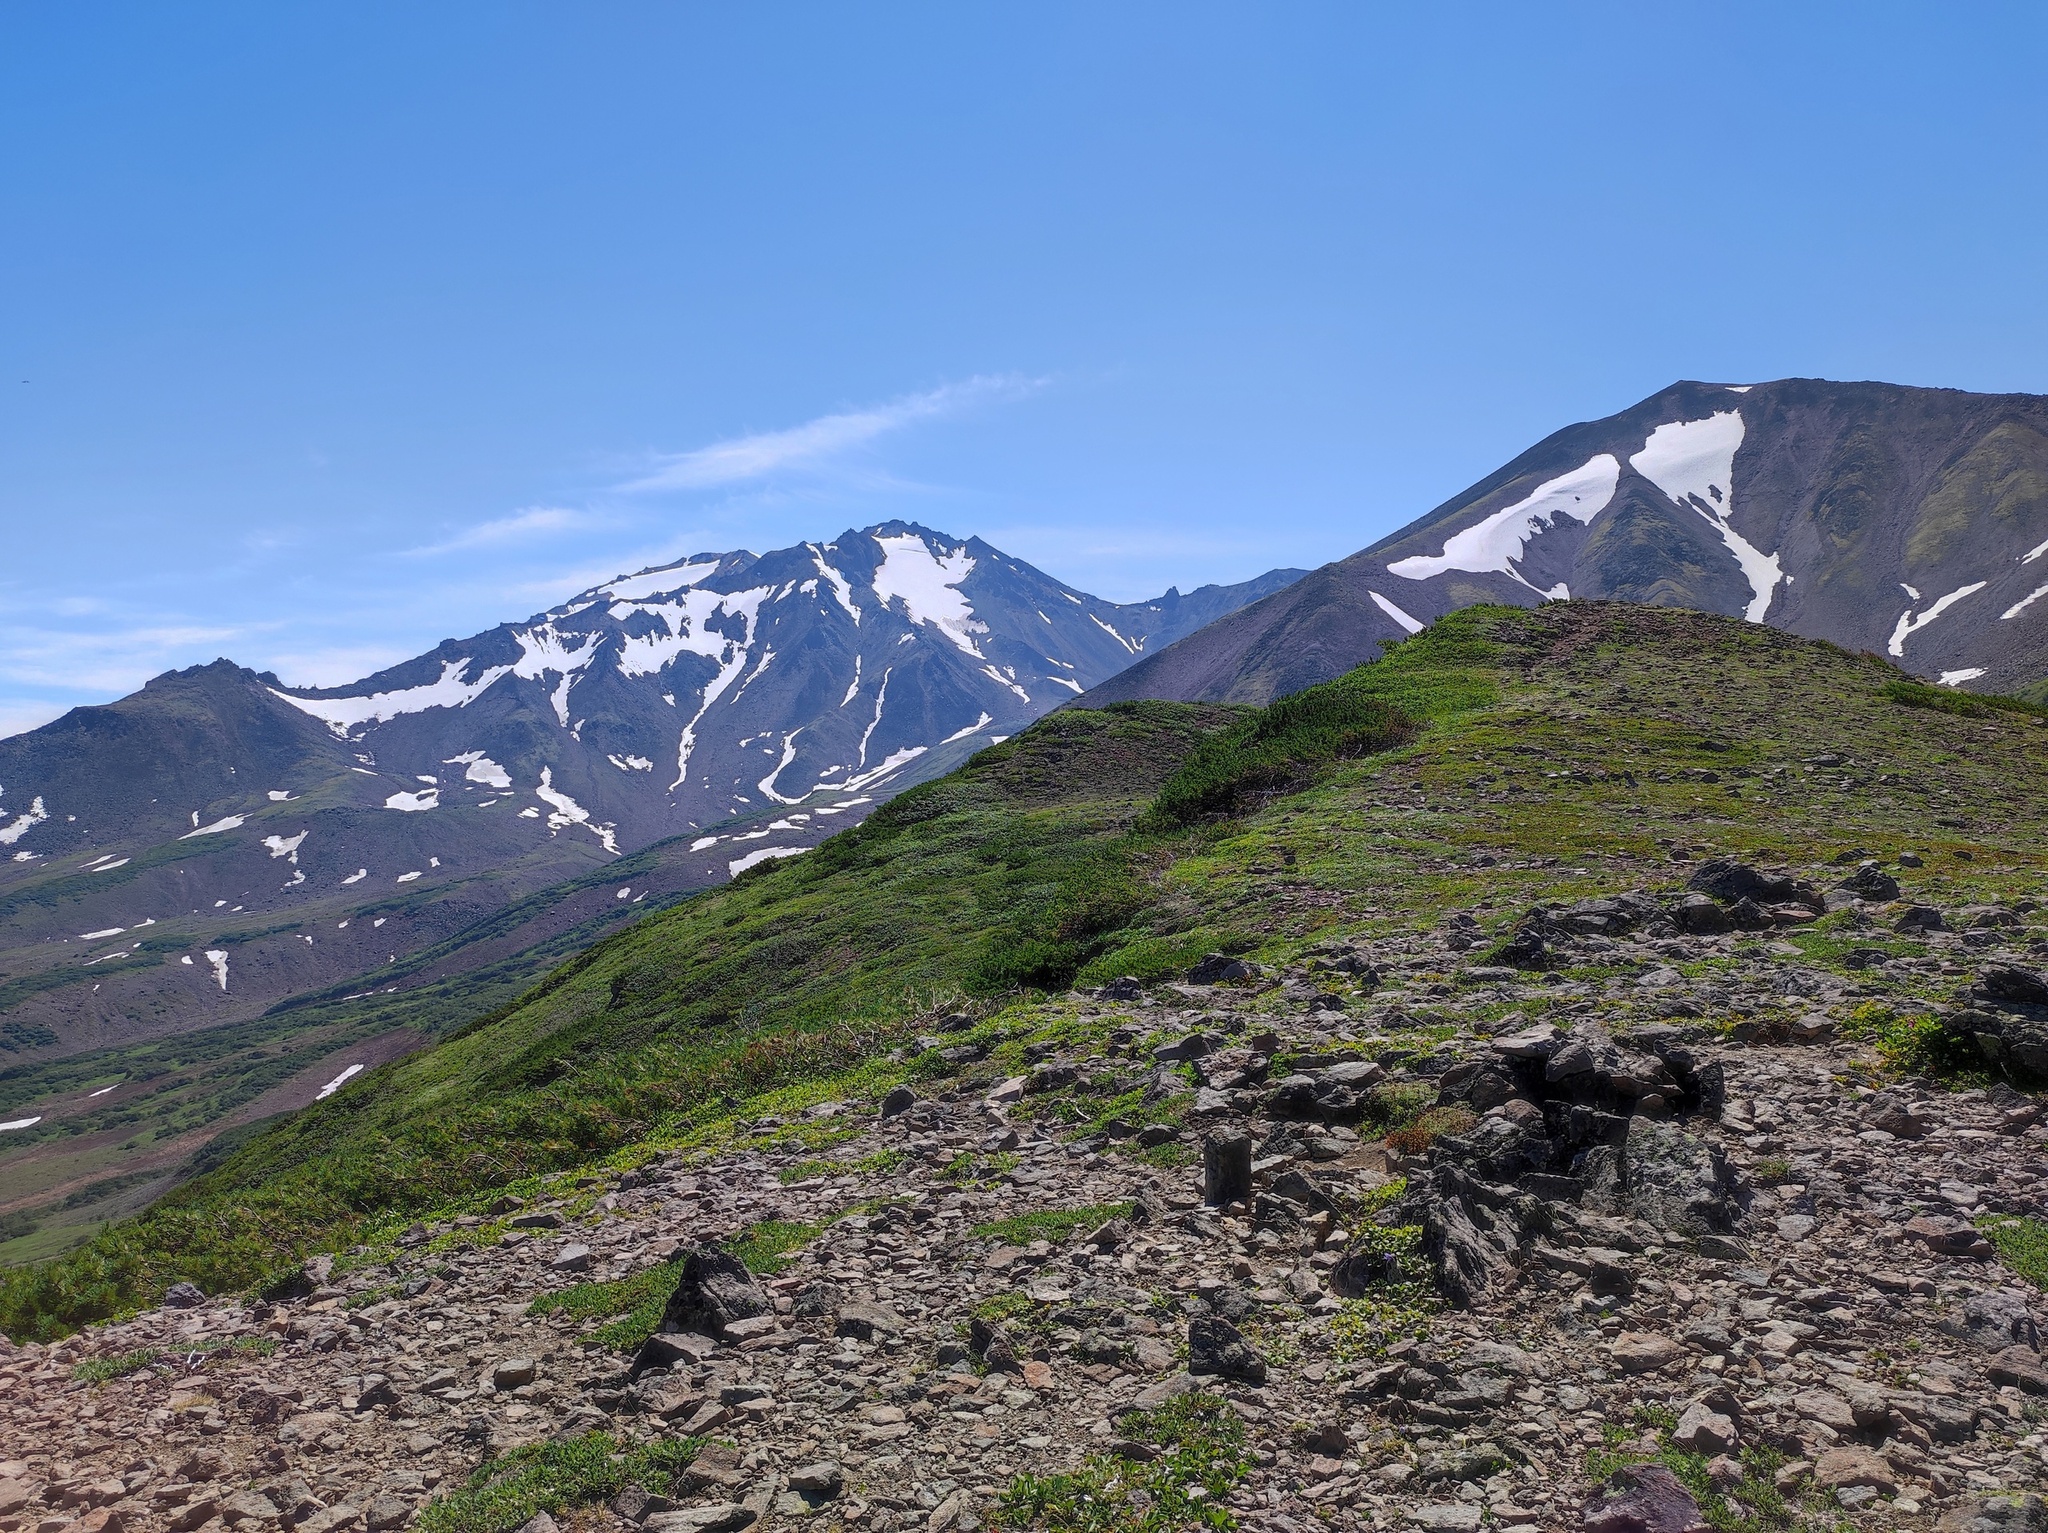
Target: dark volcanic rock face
(1909, 522)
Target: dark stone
(1699, 916)
(713, 1291)
(816, 1300)
(1127, 988)
(870, 1322)
(1675, 1181)
(184, 1296)
(2013, 986)
(1732, 881)
(1216, 1347)
(1226, 1168)
(1995, 1319)
(1870, 882)
(1216, 968)
(992, 1345)
(1920, 918)
(899, 1100)
(1643, 1498)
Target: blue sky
(332, 330)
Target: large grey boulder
(1676, 1181)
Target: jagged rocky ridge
(1908, 522)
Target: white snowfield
(740, 865)
(1494, 543)
(1693, 462)
(24, 822)
(477, 767)
(286, 846)
(2010, 612)
(415, 803)
(341, 714)
(338, 1082)
(1413, 625)
(928, 587)
(676, 577)
(976, 727)
(219, 962)
(568, 812)
(1957, 678)
(1910, 624)
(226, 822)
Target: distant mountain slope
(1909, 522)
(217, 850)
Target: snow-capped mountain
(726, 683)
(1909, 522)
(219, 843)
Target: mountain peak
(1906, 521)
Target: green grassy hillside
(1501, 758)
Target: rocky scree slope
(1567, 1090)
(317, 878)
(1909, 522)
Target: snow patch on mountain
(1957, 678)
(1693, 463)
(767, 784)
(226, 822)
(568, 812)
(658, 582)
(286, 846)
(928, 587)
(1494, 543)
(740, 865)
(24, 822)
(897, 760)
(415, 803)
(841, 586)
(480, 768)
(1909, 624)
(979, 724)
(2010, 612)
(341, 714)
(338, 1082)
(218, 960)
(1394, 612)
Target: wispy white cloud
(521, 526)
(818, 442)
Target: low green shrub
(555, 1477)
(1200, 1459)
(1052, 1224)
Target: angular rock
(1226, 1168)
(1675, 1180)
(2021, 1366)
(869, 1322)
(900, 1099)
(1643, 1498)
(1215, 1346)
(1849, 1467)
(1644, 1351)
(1705, 1431)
